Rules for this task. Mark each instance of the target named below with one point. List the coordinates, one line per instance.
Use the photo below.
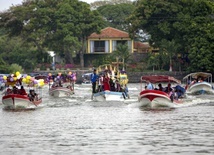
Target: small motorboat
(56, 89)
(17, 101)
(199, 83)
(112, 83)
(86, 79)
(61, 91)
(107, 95)
(157, 98)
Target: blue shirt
(94, 77)
(150, 86)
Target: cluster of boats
(151, 94)
(15, 96)
(195, 84)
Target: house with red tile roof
(141, 47)
(107, 40)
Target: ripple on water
(77, 125)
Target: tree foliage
(121, 52)
(61, 26)
(117, 16)
(14, 50)
(188, 23)
(99, 3)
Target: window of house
(123, 42)
(99, 46)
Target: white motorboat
(199, 83)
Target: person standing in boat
(50, 79)
(94, 78)
(100, 83)
(118, 86)
(126, 91)
(106, 81)
(59, 79)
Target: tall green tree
(61, 26)
(117, 16)
(14, 50)
(188, 23)
(121, 53)
(170, 48)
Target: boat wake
(187, 102)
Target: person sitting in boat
(22, 91)
(200, 79)
(149, 85)
(32, 95)
(160, 87)
(15, 90)
(168, 89)
(191, 83)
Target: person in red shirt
(106, 80)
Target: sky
(5, 4)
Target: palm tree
(122, 53)
(170, 47)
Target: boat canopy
(198, 74)
(86, 75)
(160, 79)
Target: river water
(78, 126)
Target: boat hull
(16, 101)
(60, 92)
(108, 96)
(156, 98)
(201, 88)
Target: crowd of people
(32, 95)
(107, 82)
(59, 79)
